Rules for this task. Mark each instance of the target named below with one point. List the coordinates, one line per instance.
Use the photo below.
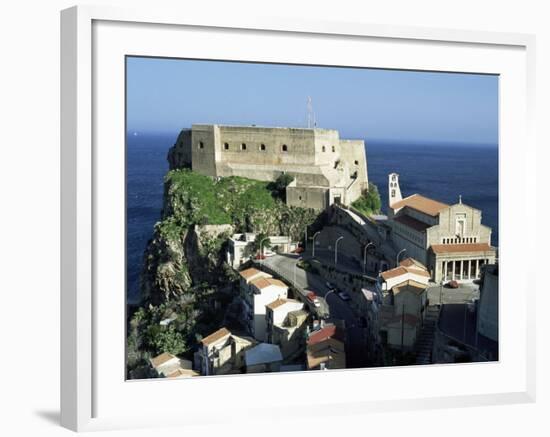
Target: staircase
(425, 342)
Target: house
(236, 251)
(259, 289)
(449, 239)
(170, 366)
(263, 357)
(326, 349)
(403, 317)
(222, 353)
(408, 269)
(286, 324)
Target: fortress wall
(325, 142)
(204, 149)
(352, 151)
(299, 144)
(307, 197)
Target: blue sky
(165, 95)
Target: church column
(469, 269)
(453, 263)
(460, 268)
(477, 268)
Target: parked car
(299, 250)
(452, 284)
(344, 296)
(312, 297)
(259, 256)
(330, 285)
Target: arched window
(243, 146)
(226, 146)
(284, 148)
(262, 147)
(201, 145)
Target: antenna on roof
(310, 114)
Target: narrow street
(355, 347)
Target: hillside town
(417, 285)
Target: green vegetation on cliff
(369, 203)
(249, 205)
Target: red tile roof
(329, 331)
(215, 336)
(461, 248)
(422, 204)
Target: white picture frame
(92, 391)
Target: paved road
(464, 293)
(355, 348)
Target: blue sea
(440, 171)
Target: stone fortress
(326, 169)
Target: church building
(449, 239)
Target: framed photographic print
(257, 208)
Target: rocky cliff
(199, 214)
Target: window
(460, 227)
(333, 149)
(243, 146)
(324, 149)
(356, 162)
(284, 148)
(226, 146)
(262, 147)
(201, 145)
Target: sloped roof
(411, 262)
(420, 203)
(324, 333)
(161, 359)
(215, 336)
(410, 285)
(251, 272)
(461, 248)
(263, 353)
(182, 373)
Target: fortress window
(262, 147)
(324, 149)
(243, 146)
(356, 162)
(285, 148)
(333, 149)
(226, 146)
(201, 145)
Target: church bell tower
(394, 192)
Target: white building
(170, 366)
(408, 270)
(222, 353)
(286, 324)
(238, 242)
(263, 291)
